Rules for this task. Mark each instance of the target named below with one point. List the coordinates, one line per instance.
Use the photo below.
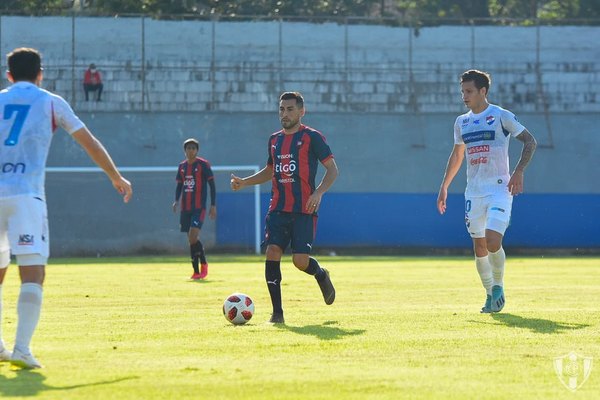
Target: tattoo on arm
(529, 145)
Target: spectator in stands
(92, 82)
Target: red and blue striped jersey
(294, 159)
(194, 178)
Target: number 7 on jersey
(21, 113)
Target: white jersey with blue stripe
(486, 136)
(29, 116)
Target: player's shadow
(324, 332)
(27, 383)
(537, 325)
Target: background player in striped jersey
(483, 134)
(294, 154)
(31, 115)
(193, 175)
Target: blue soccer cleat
(487, 307)
(498, 300)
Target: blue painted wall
(412, 220)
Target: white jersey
(486, 136)
(30, 115)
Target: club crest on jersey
(490, 119)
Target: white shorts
(24, 230)
(490, 212)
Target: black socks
(315, 269)
(273, 278)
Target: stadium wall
(197, 66)
(390, 170)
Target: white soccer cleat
(24, 361)
(5, 355)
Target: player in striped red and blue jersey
(194, 174)
(293, 157)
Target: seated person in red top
(92, 82)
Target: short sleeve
(320, 147)
(64, 116)
(510, 123)
(270, 158)
(457, 134)
(209, 172)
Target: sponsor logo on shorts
(25, 240)
(478, 160)
(479, 149)
(497, 209)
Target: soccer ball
(238, 308)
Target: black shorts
(281, 228)
(191, 219)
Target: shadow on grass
(324, 332)
(31, 383)
(537, 325)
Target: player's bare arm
(454, 162)
(100, 156)
(331, 173)
(212, 213)
(515, 184)
(262, 176)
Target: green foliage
(405, 9)
(35, 6)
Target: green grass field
(400, 328)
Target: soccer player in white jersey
(29, 117)
(483, 134)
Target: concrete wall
(243, 66)
(385, 97)
(390, 169)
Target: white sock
(1, 342)
(485, 272)
(29, 306)
(497, 260)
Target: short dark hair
(24, 64)
(191, 141)
(480, 78)
(293, 95)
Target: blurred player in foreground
(483, 134)
(193, 174)
(294, 154)
(30, 117)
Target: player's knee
(493, 237)
(300, 261)
(4, 259)
(273, 253)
